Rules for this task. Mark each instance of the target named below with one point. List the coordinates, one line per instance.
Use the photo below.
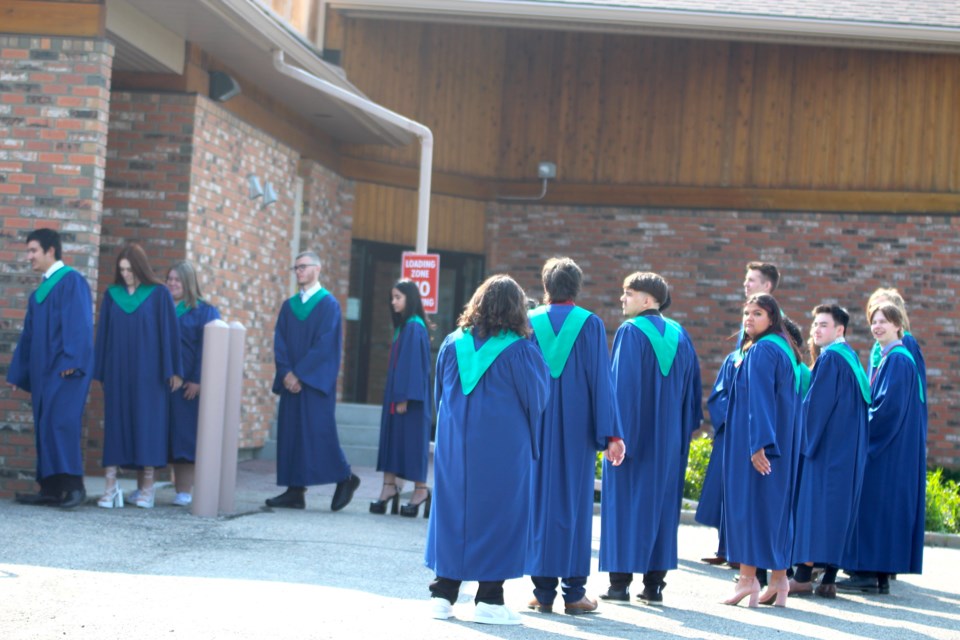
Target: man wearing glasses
(306, 345)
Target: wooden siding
(388, 214)
(643, 111)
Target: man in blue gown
(306, 348)
(579, 421)
(656, 377)
(53, 361)
(833, 453)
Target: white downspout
(417, 129)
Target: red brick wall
(54, 104)
(242, 251)
(326, 226)
(822, 258)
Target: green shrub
(943, 503)
(599, 469)
(697, 462)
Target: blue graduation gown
(641, 499)
(484, 444)
(405, 437)
(57, 335)
(183, 412)
(888, 536)
(710, 507)
(136, 355)
(308, 447)
(576, 424)
(763, 413)
(833, 454)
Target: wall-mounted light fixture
(269, 195)
(253, 184)
(223, 86)
(546, 171)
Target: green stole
(473, 363)
(556, 347)
(182, 307)
(664, 346)
(858, 372)
(797, 373)
(130, 302)
(47, 285)
(417, 319)
(902, 349)
(876, 353)
(302, 309)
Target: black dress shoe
(73, 498)
(37, 499)
(652, 594)
(289, 499)
(862, 582)
(344, 493)
(616, 594)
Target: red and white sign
(424, 269)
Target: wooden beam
(405, 177)
(633, 195)
(81, 19)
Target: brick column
(54, 107)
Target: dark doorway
(374, 267)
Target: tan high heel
(745, 587)
(776, 593)
(112, 495)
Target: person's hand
(616, 451)
(400, 407)
(760, 463)
(67, 373)
(292, 383)
(175, 382)
(190, 390)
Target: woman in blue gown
(491, 387)
(137, 359)
(761, 453)
(405, 420)
(193, 314)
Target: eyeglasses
(301, 267)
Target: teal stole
(47, 285)
(801, 381)
(858, 372)
(417, 319)
(473, 363)
(902, 349)
(302, 309)
(664, 346)
(130, 302)
(556, 347)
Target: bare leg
(390, 487)
(184, 474)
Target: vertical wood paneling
(637, 110)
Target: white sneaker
(440, 608)
(183, 500)
(495, 614)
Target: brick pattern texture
(54, 97)
(822, 258)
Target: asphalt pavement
(278, 574)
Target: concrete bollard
(231, 418)
(213, 381)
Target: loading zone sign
(424, 269)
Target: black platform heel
(380, 506)
(411, 510)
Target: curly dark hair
(499, 304)
(413, 305)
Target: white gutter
(374, 109)
(621, 19)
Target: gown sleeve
(76, 328)
(897, 377)
(761, 369)
(319, 366)
(412, 369)
(818, 405)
